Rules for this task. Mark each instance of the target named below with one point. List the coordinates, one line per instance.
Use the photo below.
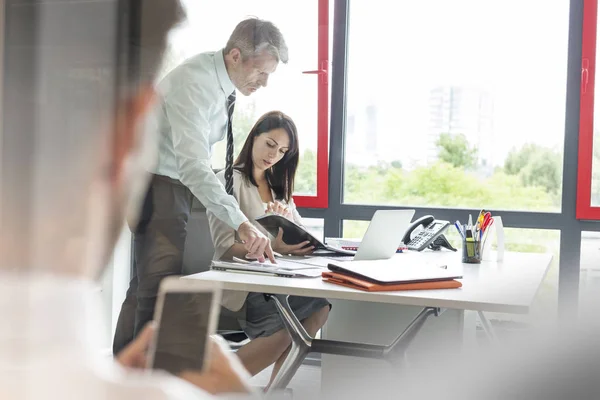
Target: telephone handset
(429, 233)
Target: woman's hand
(300, 249)
(278, 207)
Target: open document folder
(282, 268)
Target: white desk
(509, 286)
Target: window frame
(321, 200)
(585, 210)
(565, 220)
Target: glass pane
(589, 277)
(314, 226)
(449, 115)
(289, 90)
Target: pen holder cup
(471, 252)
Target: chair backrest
(199, 249)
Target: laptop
(383, 236)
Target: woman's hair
(281, 175)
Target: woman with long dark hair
(263, 181)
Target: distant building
(456, 110)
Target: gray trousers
(159, 243)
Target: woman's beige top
(224, 237)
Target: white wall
(114, 284)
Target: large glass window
(289, 89)
(456, 103)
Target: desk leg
(487, 327)
(380, 324)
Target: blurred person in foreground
(72, 159)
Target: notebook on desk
(394, 271)
(361, 284)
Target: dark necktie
(229, 156)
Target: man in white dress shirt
(196, 102)
(70, 159)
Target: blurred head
(83, 153)
(272, 148)
(253, 52)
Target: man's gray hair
(254, 35)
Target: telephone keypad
(430, 232)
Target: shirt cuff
(238, 219)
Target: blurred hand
(255, 242)
(224, 372)
(300, 249)
(278, 207)
(134, 354)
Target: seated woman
(263, 180)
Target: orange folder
(360, 284)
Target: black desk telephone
(429, 233)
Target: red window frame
(586, 114)
(321, 199)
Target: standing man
(195, 111)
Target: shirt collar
(226, 84)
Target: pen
(457, 225)
(470, 223)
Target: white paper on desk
(289, 264)
(268, 268)
(308, 261)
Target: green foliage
(396, 164)
(442, 184)
(536, 166)
(306, 175)
(455, 150)
(518, 159)
(243, 121)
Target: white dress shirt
(190, 118)
(49, 347)
(224, 237)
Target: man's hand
(300, 249)
(224, 372)
(256, 244)
(134, 354)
